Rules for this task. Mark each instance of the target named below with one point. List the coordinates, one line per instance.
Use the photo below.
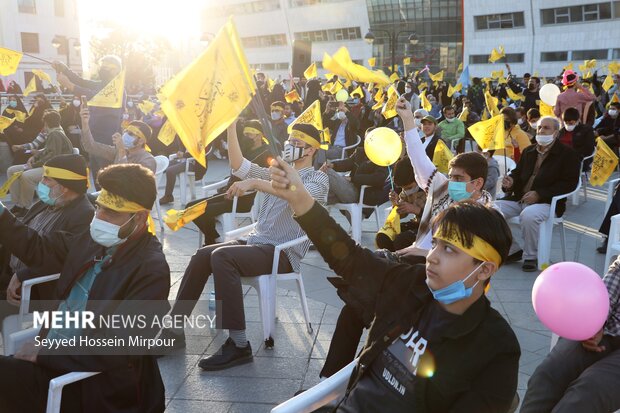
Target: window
(616, 54)
(301, 3)
(554, 56)
(64, 44)
(589, 54)
(331, 35)
(499, 21)
(27, 6)
(251, 7)
(582, 13)
(484, 58)
(264, 41)
(59, 8)
(30, 42)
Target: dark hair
(511, 113)
(254, 123)
(131, 181)
(403, 172)
(466, 219)
(473, 163)
(520, 111)
(570, 114)
(536, 79)
(615, 104)
(533, 113)
(447, 108)
(144, 128)
(51, 118)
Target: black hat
(143, 127)
(72, 163)
(309, 130)
(255, 124)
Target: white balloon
(549, 94)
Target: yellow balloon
(383, 146)
(342, 95)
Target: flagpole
(38, 58)
(259, 110)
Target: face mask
(533, 125)
(76, 102)
(458, 191)
(544, 140)
(612, 112)
(450, 120)
(341, 115)
(292, 153)
(356, 101)
(128, 141)
(43, 192)
(13, 104)
(455, 291)
(520, 122)
(125, 116)
(570, 128)
(276, 115)
(105, 233)
(418, 122)
(407, 90)
(130, 104)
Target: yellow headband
(120, 204)
(480, 249)
(52, 172)
(249, 129)
(302, 136)
(135, 131)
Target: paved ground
(297, 358)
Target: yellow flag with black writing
(31, 87)
(5, 123)
(310, 116)
(292, 96)
(4, 190)
(379, 95)
(178, 219)
(603, 164)
(166, 133)
(545, 110)
(391, 227)
(389, 110)
(209, 94)
(442, 156)
(310, 72)
(111, 96)
(372, 62)
(491, 103)
(18, 114)
(426, 105)
(9, 61)
(489, 134)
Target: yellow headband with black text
(59, 173)
(120, 204)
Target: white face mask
(407, 90)
(534, 124)
(130, 104)
(450, 120)
(276, 115)
(544, 140)
(291, 153)
(570, 128)
(76, 102)
(418, 122)
(105, 233)
(520, 122)
(613, 113)
(341, 115)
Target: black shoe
(166, 199)
(179, 339)
(228, 355)
(530, 265)
(514, 257)
(603, 248)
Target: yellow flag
(495, 74)
(423, 86)
(394, 77)
(613, 67)
(501, 81)
(166, 134)
(609, 82)
(270, 84)
(336, 86)
(437, 77)
(491, 103)
(372, 62)
(545, 110)
(379, 95)
(464, 114)
(146, 106)
(604, 163)
(378, 104)
(489, 134)
(330, 76)
(42, 75)
(292, 96)
(31, 87)
(178, 219)
(514, 96)
(451, 90)
(341, 64)
(358, 90)
(389, 110)
(9, 60)
(426, 105)
(202, 103)
(391, 227)
(568, 66)
(347, 83)
(485, 114)
(460, 68)
(310, 72)
(111, 96)
(442, 156)
(5, 123)
(395, 68)
(497, 54)
(310, 116)
(406, 61)
(4, 190)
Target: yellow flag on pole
(9, 61)
(491, 103)
(389, 110)
(442, 156)
(451, 90)
(42, 75)
(406, 61)
(489, 134)
(111, 96)
(514, 96)
(310, 72)
(358, 90)
(310, 116)
(372, 62)
(341, 64)
(464, 114)
(437, 77)
(497, 54)
(146, 106)
(609, 82)
(391, 227)
(426, 105)
(4, 190)
(31, 87)
(394, 77)
(292, 96)
(460, 68)
(545, 110)
(209, 94)
(178, 219)
(604, 163)
(496, 74)
(5, 123)
(613, 67)
(379, 95)
(378, 104)
(166, 134)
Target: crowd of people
(421, 292)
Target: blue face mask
(128, 141)
(13, 103)
(455, 291)
(356, 101)
(43, 192)
(458, 190)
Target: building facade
(268, 28)
(30, 26)
(540, 36)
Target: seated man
(128, 148)
(278, 124)
(116, 262)
(452, 128)
(609, 127)
(343, 127)
(434, 344)
(56, 143)
(582, 376)
(545, 170)
(230, 261)
(577, 135)
(62, 206)
(177, 166)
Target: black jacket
(582, 142)
(558, 174)
(350, 131)
(477, 358)
(609, 126)
(365, 172)
(137, 271)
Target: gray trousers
(341, 190)
(572, 379)
(531, 216)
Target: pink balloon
(571, 300)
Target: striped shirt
(38, 142)
(275, 224)
(612, 282)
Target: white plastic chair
(583, 176)
(162, 164)
(15, 322)
(265, 285)
(330, 389)
(613, 241)
(343, 154)
(187, 179)
(54, 392)
(356, 214)
(506, 165)
(611, 185)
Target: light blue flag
(464, 78)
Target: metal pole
(68, 53)
(393, 38)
